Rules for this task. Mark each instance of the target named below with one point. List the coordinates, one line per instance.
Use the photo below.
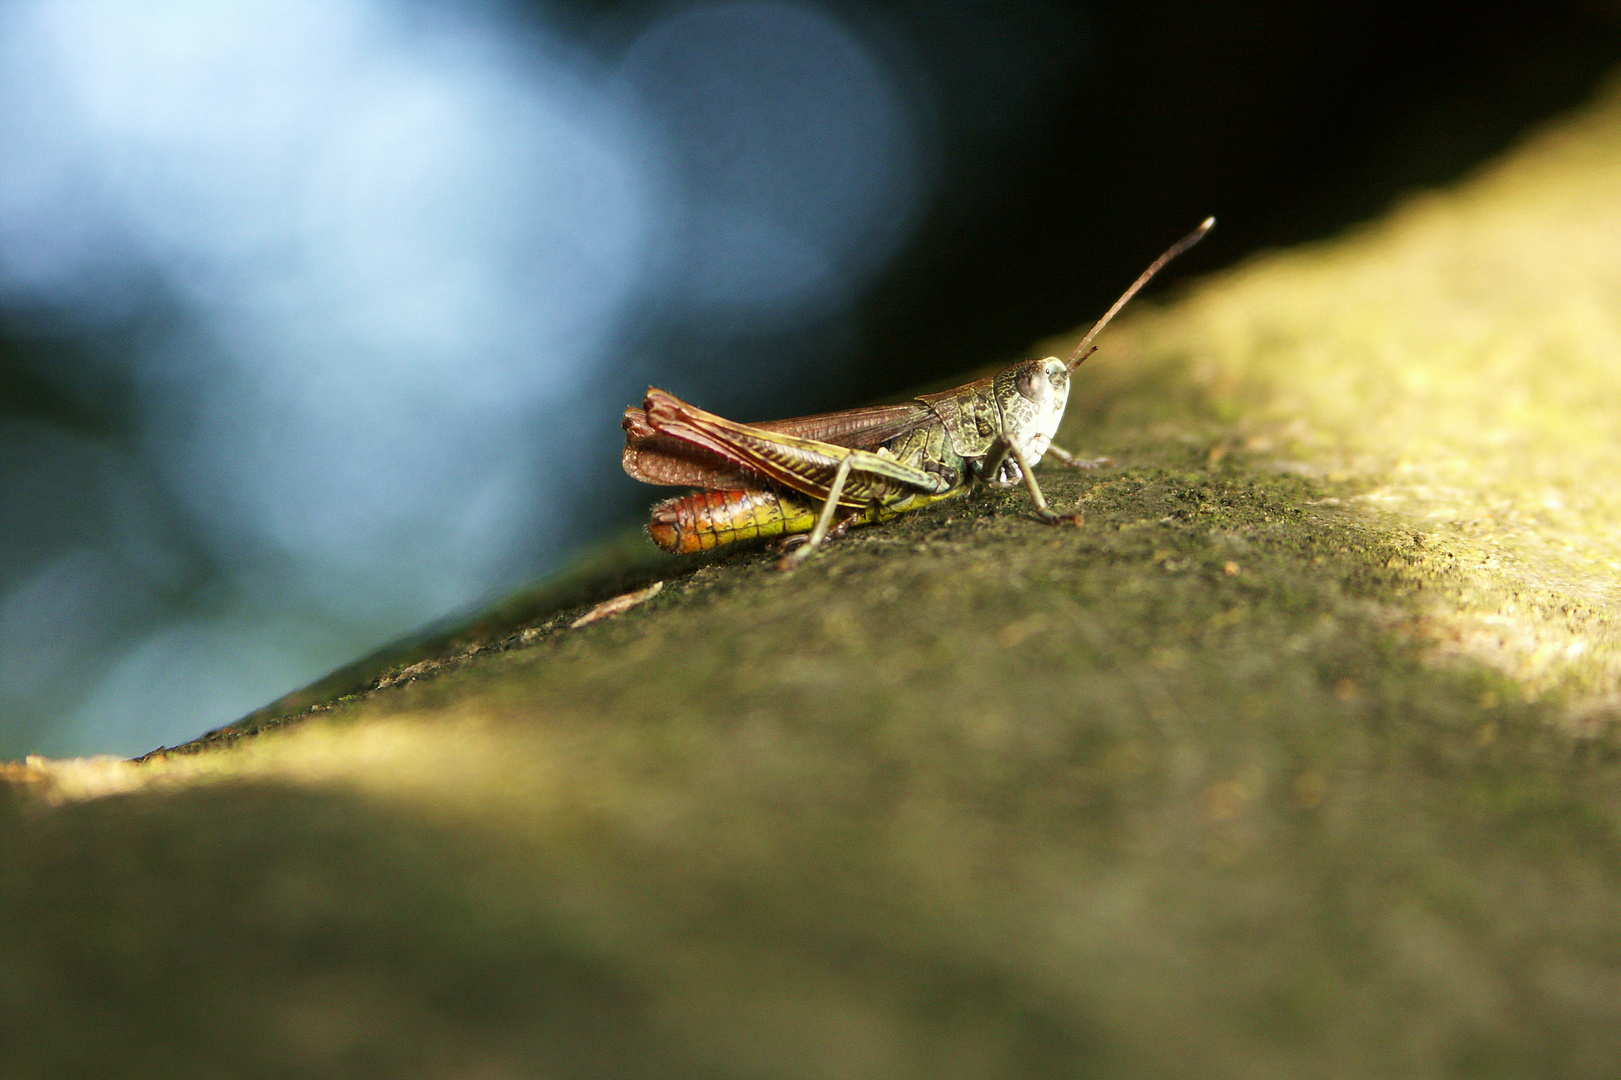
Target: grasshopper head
(1032, 396)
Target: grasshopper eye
(1033, 382)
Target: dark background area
(1289, 122)
(1055, 150)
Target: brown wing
(656, 458)
(653, 458)
(860, 429)
(808, 466)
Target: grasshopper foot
(799, 554)
(1049, 517)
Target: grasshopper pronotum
(821, 474)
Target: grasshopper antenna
(1081, 350)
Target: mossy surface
(1298, 758)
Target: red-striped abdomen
(708, 519)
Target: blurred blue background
(317, 316)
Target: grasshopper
(821, 474)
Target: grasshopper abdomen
(708, 519)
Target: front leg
(1041, 510)
(1004, 458)
(1066, 458)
